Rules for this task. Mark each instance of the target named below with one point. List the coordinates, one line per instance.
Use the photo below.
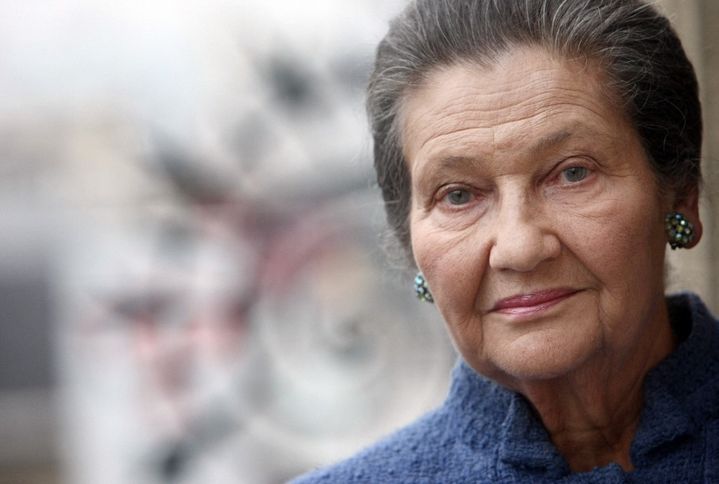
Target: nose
(523, 236)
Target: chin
(537, 357)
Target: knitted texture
(484, 433)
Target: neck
(592, 414)
(589, 429)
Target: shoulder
(691, 373)
(412, 454)
(690, 376)
(455, 443)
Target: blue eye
(575, 174)
(458, 197)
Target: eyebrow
(544, 143)
(551, 140)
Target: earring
(421, 289)
(680, 231)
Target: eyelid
(445, 190)
(441, 202)
(573, 162)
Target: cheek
(623, 249)
(453, 264)
(440, 248)
(436, 251)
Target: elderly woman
(536, 157)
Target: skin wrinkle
(447, 118)
(581, 365)
(522, 85)
(440, 166)
(563, 429)
(545, 143)
(455, 108)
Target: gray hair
(646, 66)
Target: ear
(689, 207)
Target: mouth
(532, 302)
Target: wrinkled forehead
(527, 92)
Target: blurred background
(193, 284)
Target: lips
(532, 302)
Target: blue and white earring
(680, 231)
(421, 289)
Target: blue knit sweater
(484, 433)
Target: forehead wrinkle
(458, 118)
(455, 112)
(507, 137)
(568, 132)
(441, 83)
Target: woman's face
(535, 216)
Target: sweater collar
(683, 388)
(488, 414)
(525, 443)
